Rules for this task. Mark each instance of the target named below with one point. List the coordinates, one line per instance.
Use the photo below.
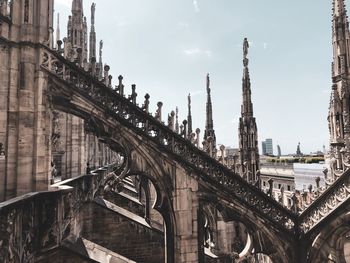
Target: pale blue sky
(167, 47)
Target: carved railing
(127, 112)
(37, 222)
(327, 203)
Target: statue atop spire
(93, 9)
(92, 51)
(208, 84)
(247, 131)
(209, 133)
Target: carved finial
(189, 117)
(110, 81)
(222, 150)
(106, 70)
(192, 138)
(317, 180)
(171, 118)
(146, 104)
(158, 114)
(133, 94)
(185, 128)
(120, 87)
(197, 137)
(177, 120)
(270, 181)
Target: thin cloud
(192, 51)
(196, 7)
(264, 45)
(208, 53)
(182, 25)
(198, 51)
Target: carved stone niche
(57, 151)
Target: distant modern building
(263, 147)
(279, 151)
(267, 147)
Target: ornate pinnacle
(177, 120)
(189, 117)
(208, 84)
(93, 8)
(245, 52)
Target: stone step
(130, 191)
(126, 201)
(94, 252)
(129, 182)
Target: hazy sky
(166, 47)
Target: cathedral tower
(248, 135)
(338, 117)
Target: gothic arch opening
(332, 244)
(223, 238)
(347, 247)
(128, 220)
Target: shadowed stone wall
(122, 235)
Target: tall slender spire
(209, 133)
(247, 107)
(339, 115)
(100, 64)
(189, 117)
(58, 32)
(247, 131)
(209, 111)
(340, 31)
(92, 51)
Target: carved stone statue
(245, 47)
(93, 8)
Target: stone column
(186, 207)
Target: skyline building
(267, 147)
